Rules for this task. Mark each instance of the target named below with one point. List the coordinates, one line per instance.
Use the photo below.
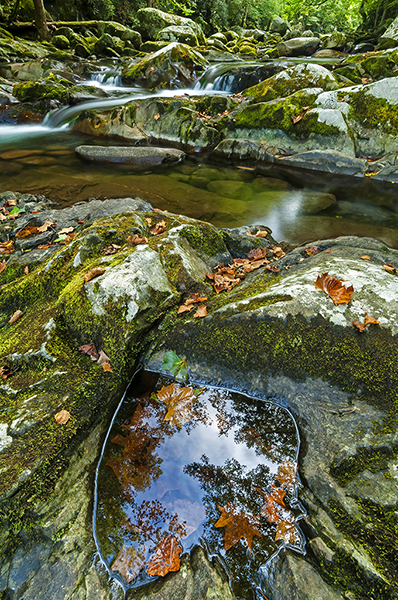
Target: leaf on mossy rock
(5, 372)
(90, 350)
(179, 401)
(334, 288)
(62, 417)
(200, 312)
(368, 321)
(3, 265)
(17, 315)
(128, 563)
(93, 273)
(158, 228)
(7, 247)
(390, 268)
(166, 558)
(136, 239)
(238, 524)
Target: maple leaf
(128, 563)
(62, 417)
(166, 558)
(257, 253)
(107, 367)
(179, 401)
(136, 239)
(286, 532)
(158, 228)
(334, 288)
(3, 265)
(287, 474)
(201, 311)
(90, 350)
(45, 226)
(238, 525)
(273, 501)
(93, 273)
(17, 315)
(368, 321)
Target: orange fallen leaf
(179, 401)
(107, 367)
(136, 239)
(183, 309)
(334, 288)
(160, 210)
(238, 524)
(128, 563)
(156, 117)
(287, 474)
(3, 265)
(17, 315)
(62, 417)
(5, 372)
(286, 532)
(166, 558)
(201, 311)
(26, 231)
(90, 350)
(195, 298)
(93, 273)
(297, 118)
(65, 230)
(312, 250)
(259, 234)
(366, 257)
(45, 226)
(26, 270)
(257, 253)
(368, 321)
(277, 250)
(158, 228)
(272, 268)
(390, 268)
(273, 501)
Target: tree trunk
(383, 16)
(41, 21)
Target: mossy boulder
(301, 46)
(375, 65)
(178, 33)
(153, 20)
(60, 41)
(176, 65)
(334, 41)
(390, 36)
(51, 88)
(291, 80)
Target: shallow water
(169, 473)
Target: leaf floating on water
(286, 532)
(239, 525)
(158, 228)
(334, 288)
(287, 474)
(62, 417)
(93, 273)
(166, 558)
(17, 315)
(179, 401)
(128, 563)
(368, 321)
(273, 501)
(176, 365)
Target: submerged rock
(142, 156)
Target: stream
(40, 159)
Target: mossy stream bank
(273, 336)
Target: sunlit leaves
(93, 273)
(166, 558)
(7, 247)
(17, 315)
(238, 524)
(334, 288)
(179, 401)
(62, 417)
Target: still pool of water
(43, 161)
(178, 463)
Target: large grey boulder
(300, 46)
(279, 25)
(334, 41)
(152, 20)
(136, 155)
(389, 39)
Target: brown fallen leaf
(90, 350)
(273, 503)
(156, 117)
(390, 268)
(11, 202)
(103, 358)
(239, 525)
(107, 367)
(287, 474)
(7, 247)
(272, 268)
(257, 253)
(183, 309)
(259, 234)
(158, 228)
(160, 210)
(17, 315)
(166, 558)
(136, 239)
(62, 417)
(366, 257)
(334, 288)
(201, 311)
(27, 231)
(112, 249)
(26, 270)
(195, 298)
(3, 265)
(65, 230)
(312, 250)
(128, 563)
(368, 321)
(93, 273)
(45, 246)
(5, 372)
(277, 250)
(297, 118)
(179, 401)
(286, 532)
(45, 226)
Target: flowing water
(178, 462)
(40, 158)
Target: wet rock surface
(149, 156)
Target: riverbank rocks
(389, 39)
(178, 33)
(140, 156)
(176, 65)
(153, 20)
(300, 46)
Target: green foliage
(176, 365)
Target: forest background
(366, 17)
